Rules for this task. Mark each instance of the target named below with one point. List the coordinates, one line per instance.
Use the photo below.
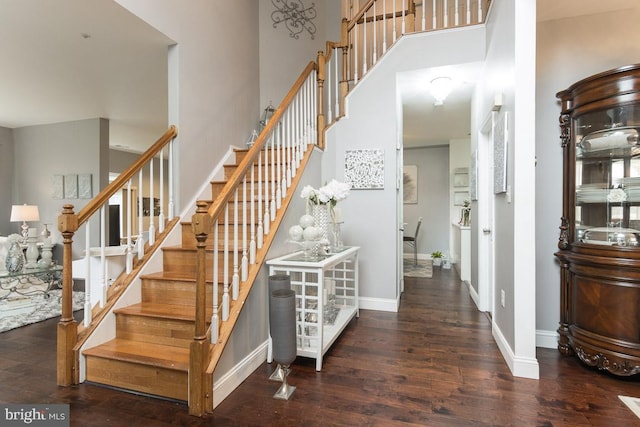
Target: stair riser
(189, 239)
(173, 332)
(229, 170)
(141, 378)
(184, 262)
(171, 292)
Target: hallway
(432, 364)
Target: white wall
(6, 175)
(375, 122)
(433, 199)
(214, 79)
(42, 151)
(568, 50)
(509, 70)
(459, 158)
(282, 57)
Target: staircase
(150, 353)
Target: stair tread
(164, 356)
(166, 311)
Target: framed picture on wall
(459, 197)
(410, 183)
(500, 154)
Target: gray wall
(78, 147)
(6, 176)
(283, 57)
(568, 50)
(433, 199)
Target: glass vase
(15, 258)
(322, 218)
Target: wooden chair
(413, 241)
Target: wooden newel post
(199, 393)
(321, 118)
(67, 371)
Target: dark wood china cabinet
(600, 226)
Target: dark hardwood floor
(432, 364)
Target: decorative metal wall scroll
(295, 16)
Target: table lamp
(24, 213)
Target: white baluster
(225, 266)
(129, 259)
(336, 53)
(435, 15)
(394, 20)
(364, 44)
(479, 11)
(404, 21)
(283, 166)
(374, 29)
(424, 16)
(252, 242)
(260, 229)
(152, 207)
(355, 54)
(384, 26)
(235, 281)
(140, 239)
(290, 126)
(277, 139)
(161, 215)
(170, 205)
(445, 22)
(272, 212)
(457, 13)
(244, 264)
(266, 219)
(215, 327)
(88, 281)
(103, 279)
(329, 92)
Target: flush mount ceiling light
(440, 88)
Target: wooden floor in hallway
(434, 363)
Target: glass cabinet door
(607, 200)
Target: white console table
(326, 289)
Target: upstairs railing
(369, 31)
(152, 183)
(243, 220)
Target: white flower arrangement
(330, 194)
(617, 195)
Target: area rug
(42, 309)
(423, 269)
(633, 403)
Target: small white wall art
(71, 186)
(364, 169)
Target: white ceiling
(426, 125)
(67, 60)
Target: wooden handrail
(227, 192)
(111, 189)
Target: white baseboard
(378, 304)
(546, 339)
(524, 367)
(474, 295)
(240, 372)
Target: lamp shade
(24, 213)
